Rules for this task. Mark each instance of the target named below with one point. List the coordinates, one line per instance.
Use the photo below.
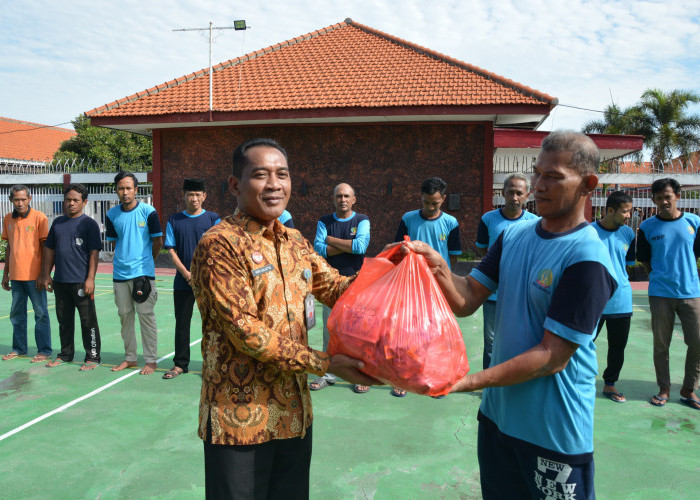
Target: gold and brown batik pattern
(250, 284)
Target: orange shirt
(250, 284)
(25, 235)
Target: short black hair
(122, 175)
(661, 184)
(434, 185)
(240, 155)
(78, 188)
(616, 199)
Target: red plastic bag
(395, 318)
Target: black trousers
(276, 470)
(67, 301)
(184, 303)
(618, 333)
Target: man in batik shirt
(253, 279)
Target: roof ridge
(39, 125)
(217, 67)
(456, 62)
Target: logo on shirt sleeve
(78, 241)
(691, 229)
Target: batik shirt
(250, 283)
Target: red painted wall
(368, 157)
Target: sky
(59, 59)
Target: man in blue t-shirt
(668, 246)
(619, 239)
(342, 239)
(73, 247)
(554, 278)
(432, 226)
(182, 233)
(516, 192)
(135, 229)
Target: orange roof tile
(28, 141)
(347, 65)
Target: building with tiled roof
(350, 104)
(22, 141)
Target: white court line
(82, 398)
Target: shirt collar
(253, 226)
(15, 215)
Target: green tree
(104, 148)
(628, 121)
(672, 131)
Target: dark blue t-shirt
(72, 240)
(355, 228)
(182, 233)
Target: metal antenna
(239, 25)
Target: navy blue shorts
(508, 470)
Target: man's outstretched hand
(348, 369)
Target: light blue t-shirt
(442, 233)
(286, 219)
(492, 225)
(620, 246)
(559, 282)
(672, 246)
(133, 232)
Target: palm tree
(672, 130)
(629, 121)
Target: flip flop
(10, 355)
(321, 383)
(691, 403)
(662, 402)
(56, 362)
(40, 358)
(173, 372)
(611, 397)
(399, 393)
(356, 388)
(89, 365)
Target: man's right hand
(348, 369)
(6, 283)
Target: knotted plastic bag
(395, 318)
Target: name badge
(262, 270)
(310, 311)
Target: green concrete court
(136, 438)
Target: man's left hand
(348, 369)
(465, 384)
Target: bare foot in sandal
(148, 369)
(89, 365)
(56, 362)
(123, 365)
(173, 372)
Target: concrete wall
(368, 157)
